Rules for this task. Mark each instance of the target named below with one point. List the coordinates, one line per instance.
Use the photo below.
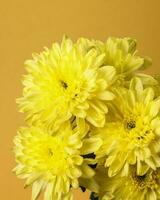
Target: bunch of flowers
(92, 122)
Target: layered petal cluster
(130, 187)
(121, 53)
(134, 135)
(67, 81)
(53, 162)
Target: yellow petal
(90, 184)
(87, 172)
(148, 95)
(108, 73)
(106, 95)
(75, 183)
(36, 189)
(95, 118)
(49, 192)
(91, 145)
(151, 195)
(77, 160)
(142, 167)
(155, 107)
(136, 84)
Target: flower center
(149, 180)
(64, 84)
(139, 131)
(130, 124)
(50, 152)
(49, 155)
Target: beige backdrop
(28, 26)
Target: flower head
(54, 162)
(66, 81)
(133, 137)
(121, 53)
(129, 187)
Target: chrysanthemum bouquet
(92, 122)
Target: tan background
(27, 26)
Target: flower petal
(36, 189)
(91, 145)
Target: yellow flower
(131, 187)
(133, 137)
(53, 161)
(66, 81)
(122, 54)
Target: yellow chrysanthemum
(122, 54)
(131, 187)
(134, 135)
(54, 162)
(66, 81)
